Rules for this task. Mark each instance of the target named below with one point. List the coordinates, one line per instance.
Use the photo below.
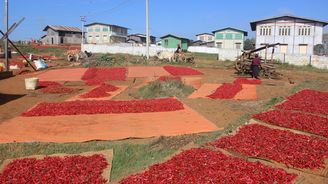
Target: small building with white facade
(205, 37)
(100, 33)
(297, 35)
(229, 38)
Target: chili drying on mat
(105, 107)
(206, 166)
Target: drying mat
(247, 93)
(205, 90)
(108, 155)
(112, 95)
(81, 128)
(72, 74)
(146, 71)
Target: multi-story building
(100, 33)
(229, 38)
(296, 35)
(61, 35)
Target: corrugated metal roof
(98, 23)
(253, 24)
(231, 28)
(63, 28)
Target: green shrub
(170, 88)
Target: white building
(229, 38)
(296, 35)
(100, 33)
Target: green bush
(109, 60)
(170, 88)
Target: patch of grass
(319, 84)
(170, 88)
(203, 63)
(26, 49)
(206, 56)
(273, 102)
(309, 68)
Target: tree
(249, 44)
(319, 50)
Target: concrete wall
(223, 54)
(302, 60)
(125, 49)
(293, 59)
(293, 39)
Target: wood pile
(268, 69)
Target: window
(284, 30)
(219, 36)
(105, 29)
(105, 37)
(265, 30)
(303, 48)
(219, 45)
(238, 45)
(210, 38)
(97, 29)
(304, 31)
(238, 36)
(229, 36)
(90, 30)
(97, 38)
(283, 48)
(166, 43)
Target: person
(178, 49)
(255, 67)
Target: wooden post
(266, 54)
(272, 55)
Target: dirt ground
(14, 100)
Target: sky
(184, 18)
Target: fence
(293, 59)
(223, 54)
(125, 49)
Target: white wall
(302, 60)
(125, 49)
(224, 54)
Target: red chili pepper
(308, 101)
(96, 76)
(226, 91)
(105, 107)
(71, 169)
(101, 91)
(178, 71)
(296, 120)
(297, 150)
(206, 166)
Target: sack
(40, 64)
